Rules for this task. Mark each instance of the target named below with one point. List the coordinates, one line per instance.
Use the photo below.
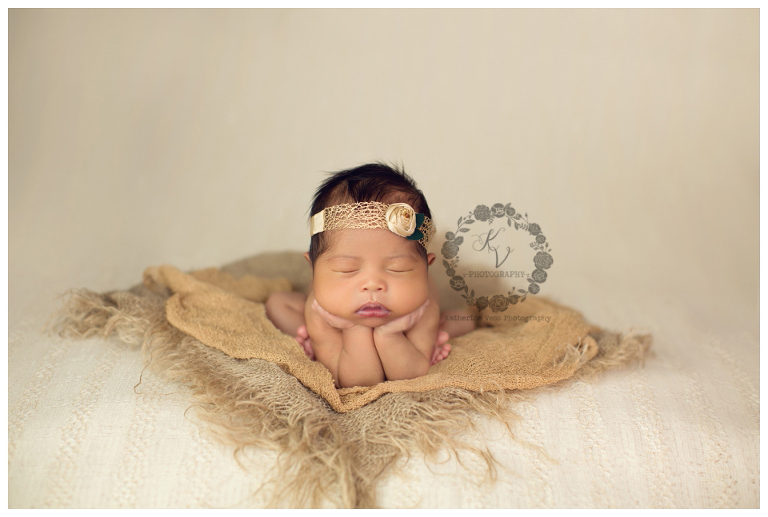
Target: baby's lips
(373, 305)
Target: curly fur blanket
(208, 330)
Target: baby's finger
(327, 316)
(420, 311)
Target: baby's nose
(374, 283)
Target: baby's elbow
(359, 380)
(421, 368)
(357, 384)
(347, 384)
(416, 369)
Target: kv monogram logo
(486, 241)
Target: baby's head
(354, 264)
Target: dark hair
(370, 182)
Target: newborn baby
(372, 313)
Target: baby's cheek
(328, 300)
(417, 294)
(322, 297)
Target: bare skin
(400, 342)
(286, 311)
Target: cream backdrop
(197, 137)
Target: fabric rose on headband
(401, 219)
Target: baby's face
(370, 266)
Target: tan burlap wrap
(228, 314)
(255, 387)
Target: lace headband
(399, 218)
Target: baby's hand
(403, 323)
(331, 319)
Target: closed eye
(396, 271)
(351, 271)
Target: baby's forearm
(359, 363)
(400, 359)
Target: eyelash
(390, 270)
